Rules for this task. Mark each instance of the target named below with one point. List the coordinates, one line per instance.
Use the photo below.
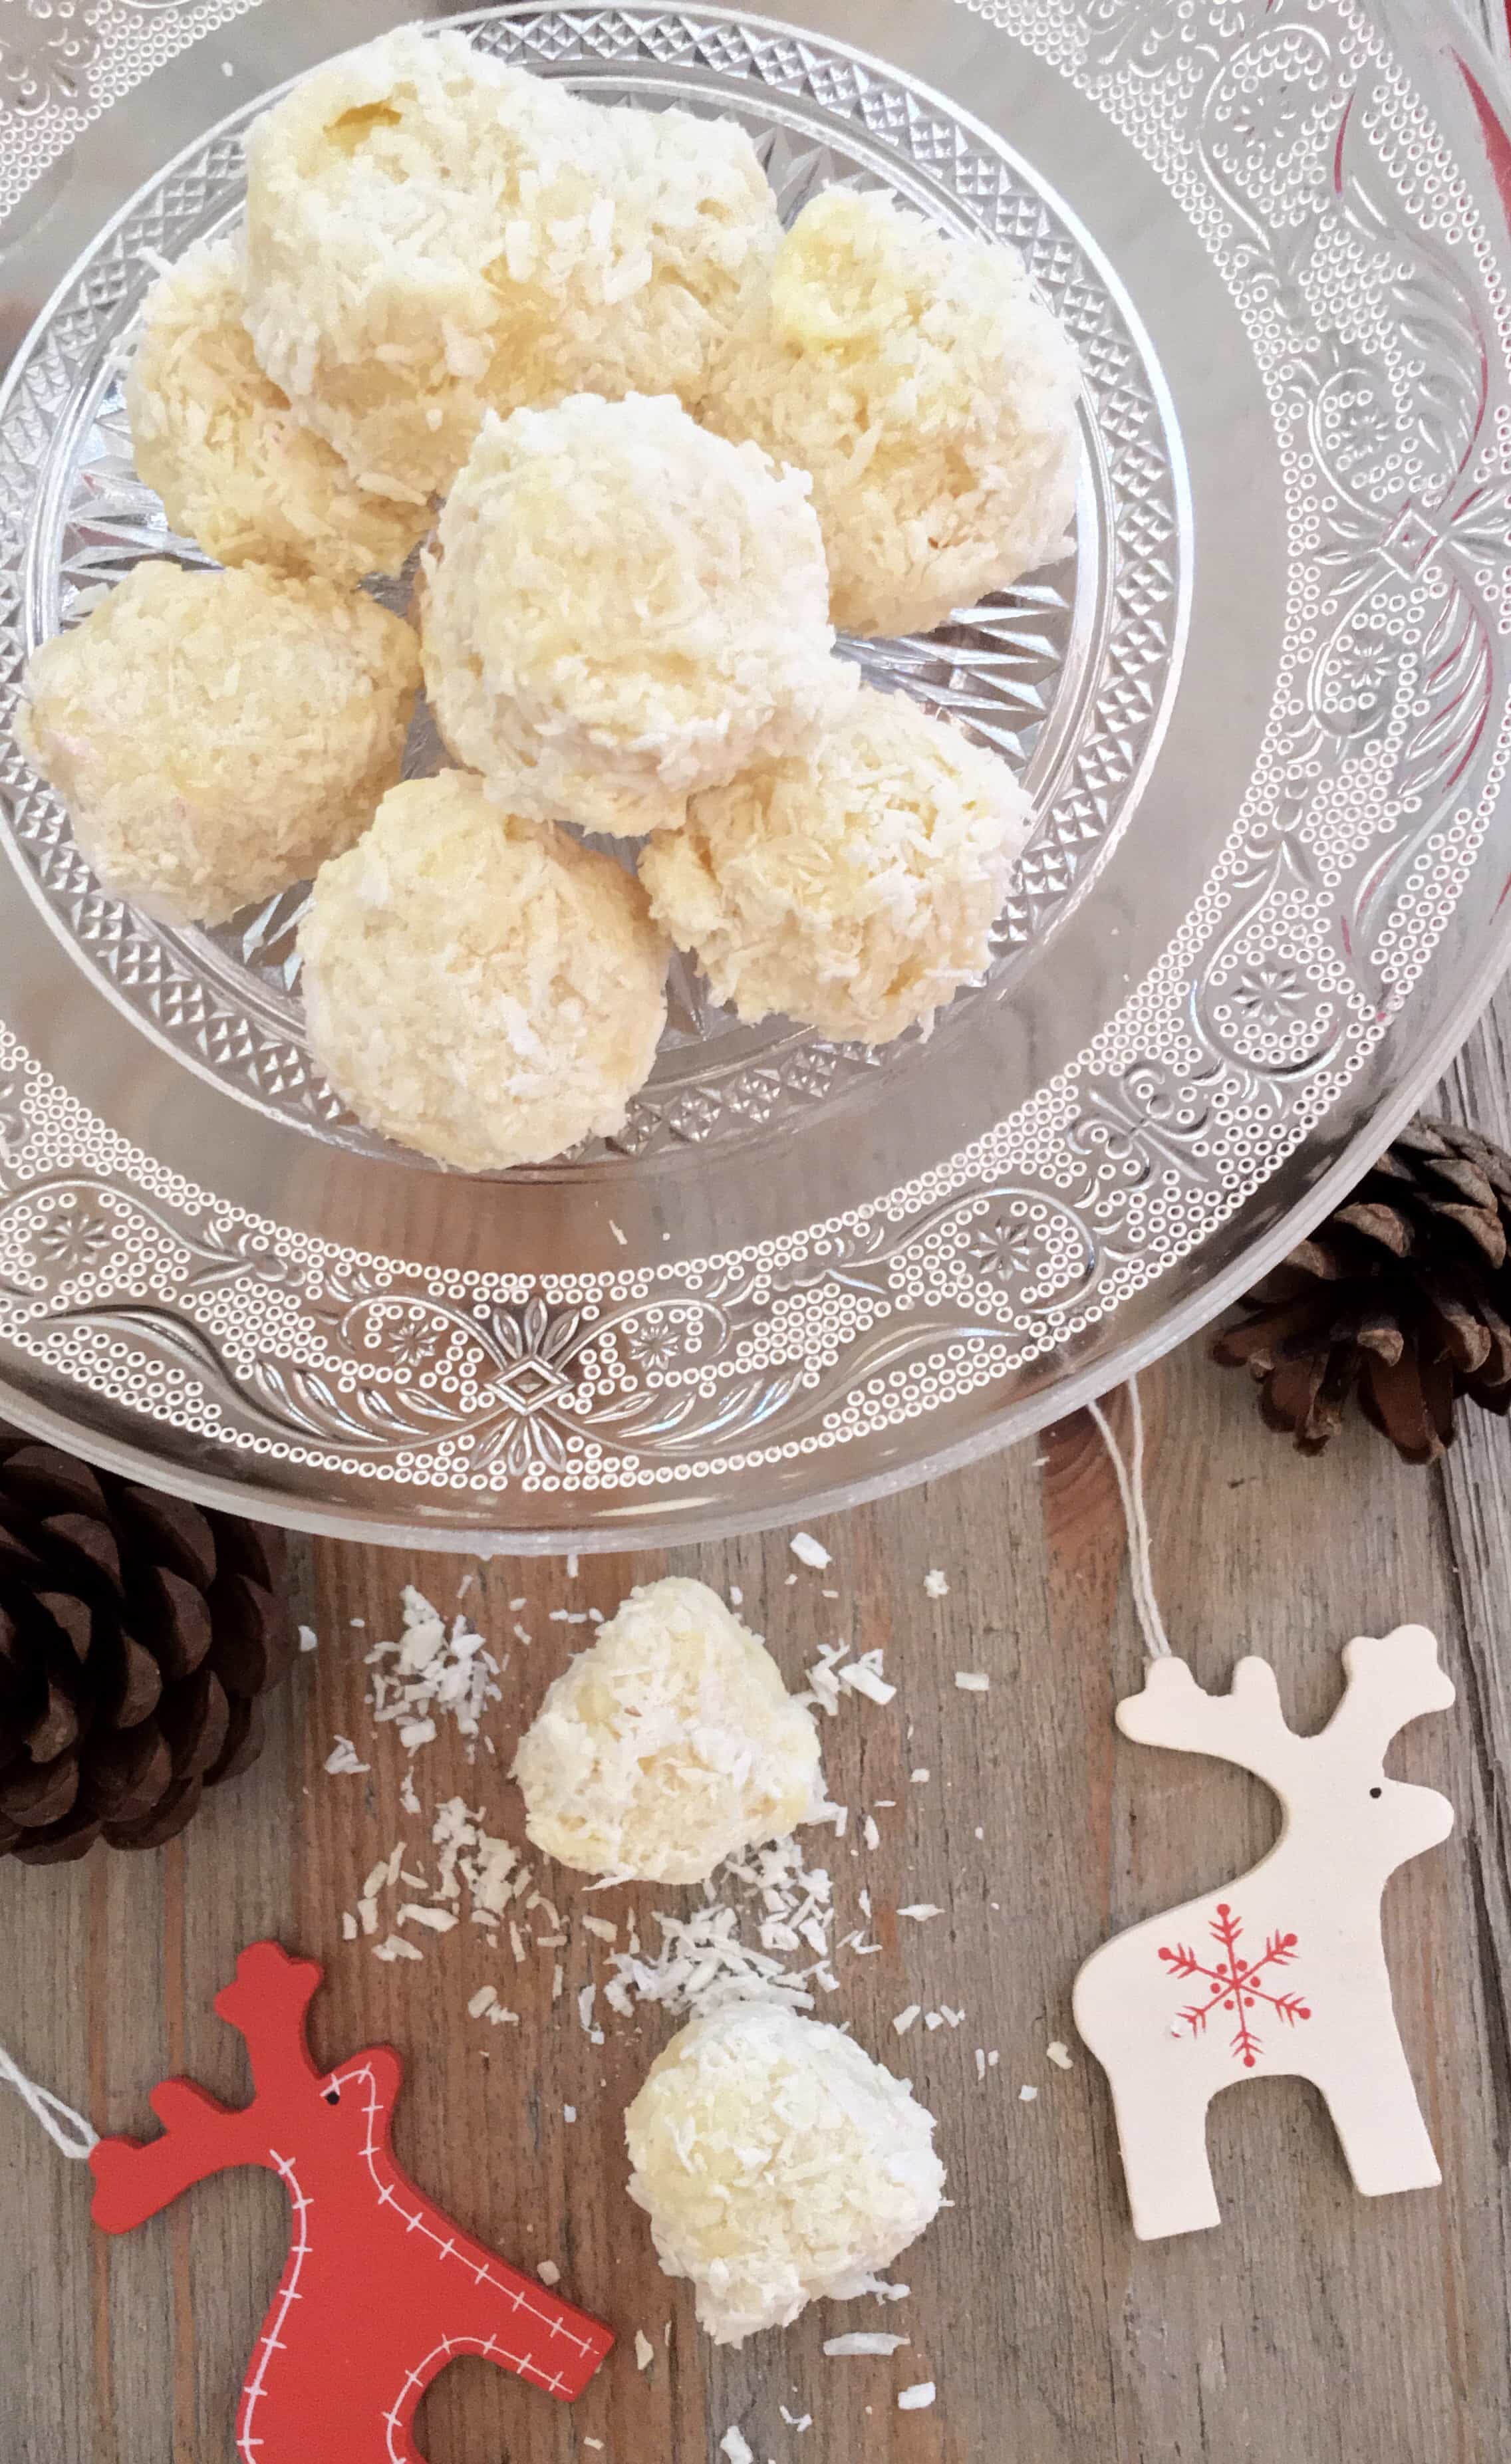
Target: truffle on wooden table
(778, 2164)
(669, 1746)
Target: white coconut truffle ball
(422, 223)
(668, 1747)
(852, 888)
(216, 736)
(692, 193)
(620, 608)
(929, 392)
(479, 986)
(778, 2164)
(234, 467)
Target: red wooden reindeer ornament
(380, 2290)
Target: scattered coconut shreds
(872, 1832)
(736, 2449)
(481, 2001)
(704, 1959)
(568, 2113)
(1027, 2095)
(343, 1761)
(451, 1674)
(918, 1776)
(863, 1676)
(1059, 2055)
(916, 2399)
(644, 2350)
(904, 2018)
(595, 2443)
(435, 1920)
(981, 2064)
(935, 1585)
(348, 1926)
(865, 2340)
(970, 1680)
(798, 2421)
(571, 1565)
(811, 1551)
(920, 1911)
(397, 1947)
(309, 1640)
(605, 1929)
(409, 1794)
(548, 2272)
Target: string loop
(69, 2132)
(1135, 1513)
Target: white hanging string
(69, 2132)
(1130, 1489)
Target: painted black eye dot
(1377, 1791)
(333, 2094)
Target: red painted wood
(380, 2290)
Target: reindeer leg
(1162, 2132)
(1371, 2097)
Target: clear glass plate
(1262, 710)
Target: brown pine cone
(1401, 1297)
(137, 1638)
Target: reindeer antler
(266, 2003)
(1245, 1726)
(1393, 1679)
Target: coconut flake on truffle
(778, 2164)
(854, 886)
(930, 393)
(479, 986)
(620, 609)
(235, 468)
(216, 736)
(669, 1746)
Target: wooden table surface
(1313, 2325)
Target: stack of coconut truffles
(652, 451)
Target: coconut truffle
(778, 2164)
(421, 220)
(620, 609)
(707, 228)
(234, 469)
(929, 392)
(669, 1746)
(479, 986)
(852, 888)
(216, 736)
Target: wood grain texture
(1314, 2324)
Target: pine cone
(1403, 1296)
(137, 1638)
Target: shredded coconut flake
(811, 1552)
(916, 2399)
(865, 2340)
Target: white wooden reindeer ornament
(1283, 1972)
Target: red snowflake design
(1234, 1983)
